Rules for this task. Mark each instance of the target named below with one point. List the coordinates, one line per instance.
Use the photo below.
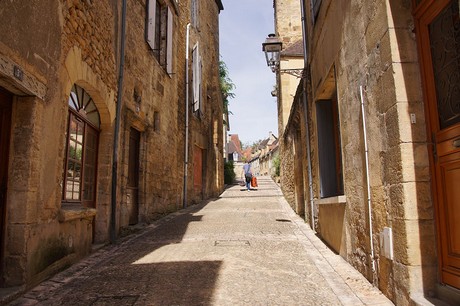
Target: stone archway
(77, 71)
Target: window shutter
(194, 13)
(151, 13)
(169, 42)
(197, 14)
(200, 74)
(195, 75)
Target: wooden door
(5, 126)
(133, 176)
(198, 170)
(438, 30)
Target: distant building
(234, 149)
(261, 156)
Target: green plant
(276, 165)
(229, 172)
(226, 85)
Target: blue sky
(244, 25)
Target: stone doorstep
(10, 294)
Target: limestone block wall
(287, 88)
(288, 22)
(54, 45)
(207, 126)
(288, 27)
(95, 34)
(59, 44)
(151, 103)
(382, 58)
(287, 169)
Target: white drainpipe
(369, 204)
(186, 114)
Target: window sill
(332, 200)
(71, 212)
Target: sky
(244, 25)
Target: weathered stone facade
(45, 49)
(369, 45)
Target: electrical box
(386, 243)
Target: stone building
(380, 127)
(266, 152)
(93, 123)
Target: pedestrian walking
(247, 175)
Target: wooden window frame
(87, 127)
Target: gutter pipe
(187, 42)
(369, 203)
(113, 230)
(305, 106)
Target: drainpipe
(113, 229)
(305, 107)
(369, 204)
(186, 114)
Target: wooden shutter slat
(169, 42)
(151, 13)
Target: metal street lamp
(272, 49)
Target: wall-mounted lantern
(272, 48)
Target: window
(196, 75)
(329, 148)
(159, 32)
(82, 141)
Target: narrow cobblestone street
(244, 248)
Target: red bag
(254, 182)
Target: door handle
(456, 143)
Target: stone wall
(153, 95)
(288, 28)
(208, 125)
(382, 58)
(64, 49)
(77, 42)
(93, 33)
(288, 22)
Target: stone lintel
(18, 81)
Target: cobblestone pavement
(244, 248)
